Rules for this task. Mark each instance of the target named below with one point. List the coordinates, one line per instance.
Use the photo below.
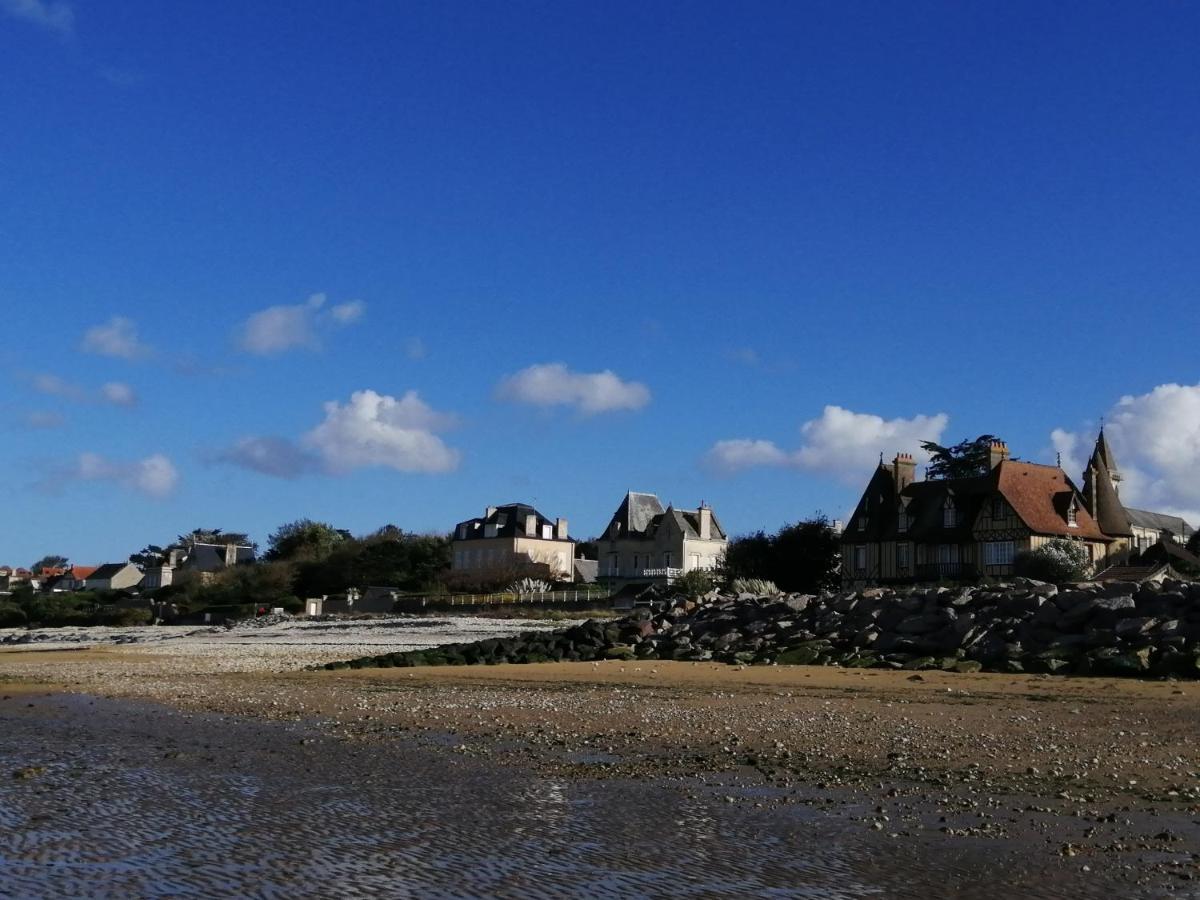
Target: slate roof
(641, 515)
(1160, 522)
(509, 521)
(211, 557)
(1039, 495)
(1100, 494)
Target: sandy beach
(1060, 786)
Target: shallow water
(141, 801)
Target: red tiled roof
(1040, 495)
(82, 572)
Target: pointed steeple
(1100, 491)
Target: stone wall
(1024, 626)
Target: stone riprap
(1024, 626)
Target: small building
(515, 536)
(114, 577)
(646, 543)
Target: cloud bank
(370, 430)
(553, 384)
(1156, 439)
(841, 442)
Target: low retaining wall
(1025, 626)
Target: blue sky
(393, 262)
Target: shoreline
(1102, 773)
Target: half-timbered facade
(904, 530)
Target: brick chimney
(560, 529)
(904, 470)
(997, 453)
(704, 513)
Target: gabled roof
(107, 571)
(509, 521)
(1040, 496)
(688, 521)
(82, 572)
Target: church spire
(1100, 491)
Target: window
(862, 523)
(997, 508)
(547, 532)
(1073, 514)
(667, 560)
(613, 568)
(902, 520)
(903, 557)
(860, 558)
(949, 514)
(998, 553)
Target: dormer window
(862, 523)
(1073, 514)
(902, 520)
(949, 514)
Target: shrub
(12, 616)
(123, 616)
(758, 586)
(694, 583)
(1056, 561)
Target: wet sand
(809, 781)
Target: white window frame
(949, 514)
(902, 520)
(860, 558)
(999, 553)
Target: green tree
(50, 561)
(214, 536)
(803, 557)
(150, 555)
(303, 539)
(694, 583)
(964, 459)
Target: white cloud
(371, 429)
(841, 442)
(746, 356)
(278, 329)
(744, 453)
(118, 393)
(553, 384)
(117, 337)
(1155, 438)
(49, 14)
(346, 313)
(379, 430)
(155, 476)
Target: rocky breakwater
(1023, 626)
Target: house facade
(113, 577)
(513, 536)
(905, 530)
(646, 543)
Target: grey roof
(211, 557)
(1100, 494)
(641, 515)
(107, 571)
(1160, 522)
(637, 512)
(509, 521)
(586, 570)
